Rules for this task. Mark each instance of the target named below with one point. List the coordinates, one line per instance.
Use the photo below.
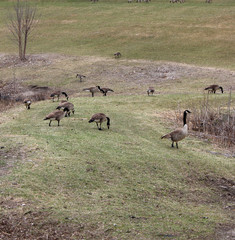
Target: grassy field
(75, 182)
(194, 32)
(124, 182)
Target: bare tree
(21, 22)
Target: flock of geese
(65, 108)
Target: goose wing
(178, 134)
(98, 116)
(66, 105)
(91, 89)
(55, 114)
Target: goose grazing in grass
(150, 90)
(80, 77)
(179, 133)
(27, 103)
(57, 94)
(214, 88)
(100, 118)
(68, 105)
(104, 90)
(92, 90)
(117, 55)
(57, 115)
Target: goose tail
(66, 95)
(108, 122)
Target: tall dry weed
(212, 121)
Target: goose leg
(58, 122)
(172, 145)
(50, 123)
(177, 145)
(100, 127)
(97, 125)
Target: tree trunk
(21, 23)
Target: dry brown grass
(213, 121)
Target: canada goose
(57, 94)
(92, 90)
(27, 103)
(56, 115)
(179, 133)
(67, 105)
(80, 77)
(99, 118)
(104, 90)
(214, 88)
(150, 90)
(117, 55)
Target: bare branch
(21, 22)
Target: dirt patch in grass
(171, 71)
(8, 157)
(224, 191)
(136, 75)
(225, 232)
(126, 76)
(32, 225)
(38, 224)
(224, 187)
(8, 61)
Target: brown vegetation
(32, 225)
(215, 122)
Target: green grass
(124, 182)
(193, 32)
(104, 178)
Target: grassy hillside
(75, 182)
(193, 32)
(124, 182)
